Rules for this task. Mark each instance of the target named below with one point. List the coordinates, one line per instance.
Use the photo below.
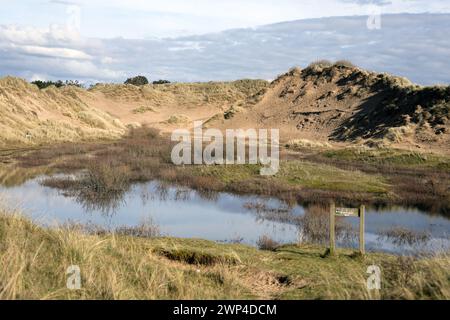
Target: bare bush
(320, 64)
(146, 229)
(402, 236)
(314, 226)
(267, 243)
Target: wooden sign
(347, 212)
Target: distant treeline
(161, 82)
(142, 81)
(137, 81)
(45, 84)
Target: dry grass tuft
(267, 243)
(305, 143)
(402, 236)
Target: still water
(182, 212)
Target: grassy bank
(393, 157)
(416, 179)
(33, 264)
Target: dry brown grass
(33, 264)
(298, 144)
(402, 236)
(267, 243)
(29, 116)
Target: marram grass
(34, 260)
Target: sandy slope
(175, 105)
(346, 104)
(323, 103)
(31, 116)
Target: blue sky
(150, 18)
(192, 41)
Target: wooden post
(332, 229)
(362, 214)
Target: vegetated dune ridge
(29, 115)
(32, 116)
(343, 103)
(170, 106)
(337, 103)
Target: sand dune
(342, 103)
(326, 103)
(33, 116)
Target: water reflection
(183, 212)
(107, 204)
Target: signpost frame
(347, 212)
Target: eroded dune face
(323, 103)
(341, 103)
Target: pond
(182, 212)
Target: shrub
(314, 227)
(106, 178)
(45, 84)
(146, 229)
(137, 81)
(320, 64)
(402, 236)
(267, 243)
(161, 82)
(344, 63)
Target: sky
(109, 40)
(138, 19)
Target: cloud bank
(411, 45)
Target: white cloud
(19, 35)
(88, 70)
(108, 60)
(415, 46)
(35, 77)
(38, 36)
(188, 45)
(52, 52)
(139, 19)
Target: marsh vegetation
(307, 176)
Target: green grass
(33, 264)
(391, 157)
(227, 173)
(325, 177)
(302, 174)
